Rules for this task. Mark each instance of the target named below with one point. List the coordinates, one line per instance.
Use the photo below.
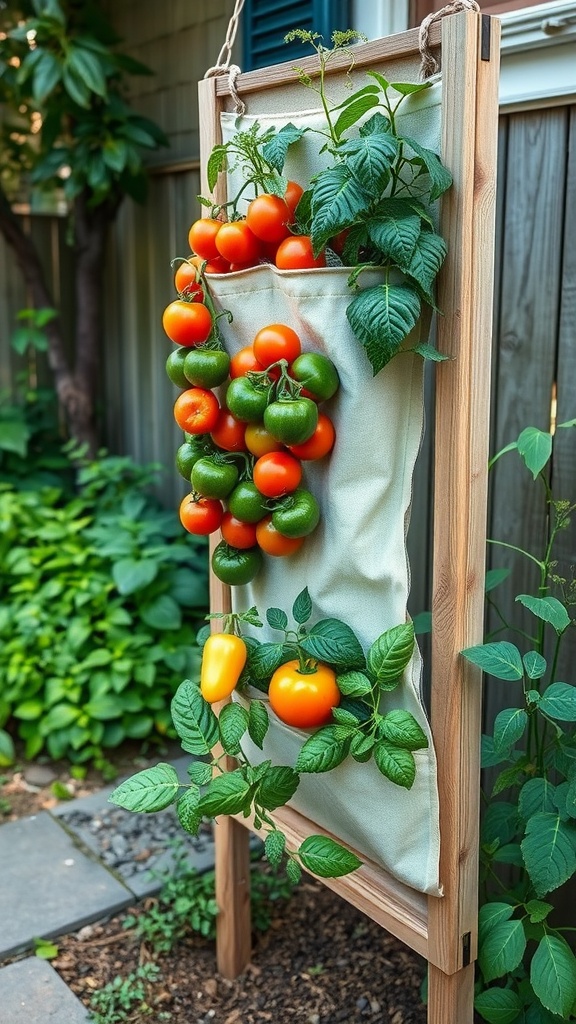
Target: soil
(320, 962)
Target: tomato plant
(296, 253)
(175, 367)
(236, 533)
(274, 342)
(259, 441)
(247, 399)
(277, 473)
(273, 542)
(202, 237)
(213, 477)
(236, 242)
(320, 443)
(206, 367)
(268, 217)
(317, 373)
(296, 515)
(292, 197)
(304, 699)
(228, 432)
(186, 282)
(200, 515)
(223, 658)
(196, 410)
(235, 566)
(191, 451)
(291, 420)
(243, 361)
(187, 323)
(247, 503)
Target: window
(266, 22)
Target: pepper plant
(527, 967)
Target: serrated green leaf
(264, 660)
(502, 949)
(188, 811)
(509, 727)
(354, 109)
(200, 772)
(302, 607)
(510, 853)
(509, 777)
(500, 659)
(274, 151)
(395, 237)
(549, 609)
(293, 871)
(440, 177)
(216, 164)
(323, 751)
(344, 717)
(334, 642)
(396, 764)
(376, 124)
(369, 159)
(274, 846)
(489, 915)
(381, 318)
(226, 794)
(536, 795)
(354, 684)
(276, 618)
(535, 448)
(258, 722)
(327, 858)
(150, 790)
(498, 1005)
(194, 720)
(401, 728)
(499, 823)
(361, 747)
(549, 851)
(427, 258)
(277, 787)
(553, 975)
(559, 702)
(431, 353)
(233, 723)
(538, 910)
(390, 654)
(534, 664)
(337, 201)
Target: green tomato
(317, 374)
(297, 514)
(206, 367)
(235, 566)
(191, 451)
(247, 401)
(213, 478)
(246, 503)
(291, 420)
(175, 367)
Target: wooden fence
(534, 379)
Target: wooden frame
(443, 930)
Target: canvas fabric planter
(355, 563)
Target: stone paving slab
(47, 885)
(31, 992)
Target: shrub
(100, 599)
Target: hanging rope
(223, 65)
(429, 64)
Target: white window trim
(538, 65)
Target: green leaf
(409, 88)
(355, 109)
(258, 722)
(130, 574)
(538, 910)
(401, 728)
(396, 764)
(194, 720)
(7, 751)
(187, 809)
(233, 723)
(324, 750)
(293, 871)
(29, 710)
(494, 577)
(509, 727)
(200, 772)
(553, 975)
(276, 618)
(510, 853)
(381, 318)
(375, 125)
(87, 66)
(337, 200)
(162, 613)
(422, 622)
(549, 851)
(547, 608)
(354, 684)
(536, 795)
(47, 74)
(489, 915)
(59, 717)
(274, 151)
(105, 707)
(115, 153)
(277, 787)
(498, 1005)
(369, 159)
(264, 660)
(302, 607)
(499, 823)
(500, 659)
(429, 352)
(559, 701)
(535, 447)
(225, 794)
(14, 436)
(427, 258)
(395, 237)
(274, 846)
(390, 654)
(440, 177)
(334, 642)
(76, 87)
(502, 949)
(44, 949)
(327, 858)
(216, 163)
(489, 756)
(150, 790)
(534, 664)
(509, 777)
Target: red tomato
(243, 361)
(268, 218)
(196, 410)
(202, 237)
(292, 197)
(228, 432)
(273, 542)
(277, 473)
(236, 243)
(217, 266)
(321, 442)
(277, 341)
(187, 323)
(186, 284)
(236, 533)
(295, 253)
(304, 699)
(200, 515)
(259, 441)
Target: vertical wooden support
(232, 849)
(470, 98)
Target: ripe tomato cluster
(243, 451)
(265, 234)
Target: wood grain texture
(462, 427)
(450, 996)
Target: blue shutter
(266, 22)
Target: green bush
(100, 599)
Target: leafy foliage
(533, 829)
